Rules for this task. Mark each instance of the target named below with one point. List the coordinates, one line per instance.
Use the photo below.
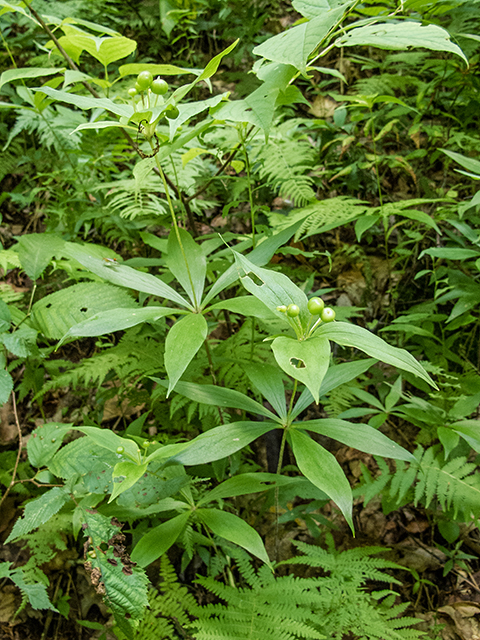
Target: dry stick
(127, 136)
(19, 453)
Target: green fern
(454, 485)
(290, 608)
(9, 159)
(170, 609)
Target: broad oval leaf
(158, 540)
(188, 264)
(305, 361)
(321, 468)
(232, 528)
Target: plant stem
(175, 225)
(250, 192)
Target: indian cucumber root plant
(240, 324)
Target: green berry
(120, 450)
(172, 112)
(282, 308)
(145, 444)
(144, 80)
(132, 92)
(159, 87)
(138, 88)
(328, 315)
(293, 310)
(316, 306)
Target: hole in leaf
(298, 364)
(256, 280)
(84, 309)
(47, 306)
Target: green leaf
(122, 584)
(27, 72)
(116, 320)
(244, 484)
(85, 102)
(58, 312)
(350, 335)
(470, 431)
(221, 442)
(467, 163)
(219, 397)
(311, 8)
(245, 306)
(214, 63)
(268, 380)
(5, 315)
(125, 475)
(36, 250)
(275, 289)
(45, 441)
(135, 68)
(38, 511)
(358, 436)
(6, 386)
(305, 361)
(109, 440)
(158, 540)
(90, 256)
(183, 341)
(322, 469)
(232, 528)
(451, 253)
(197, 264)
(295, 45)
(401, 35)
(36, 594)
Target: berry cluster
(147, 85)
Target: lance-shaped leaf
(27, 72)
(221, 442)
(189, 266)
(125, 475)
(321, 468)
(85, 102)
(245, 306)
(273, 289)
(183, 341)
(305, 361)
(350, 335)
(90, 256)
(232, 528)
(116, 320)
(158, 540)
(243, 484)
(358, 436)
(110, 441)
(268, 380)
(401, 35)
(219, 397)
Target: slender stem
(293, 397)
(280, 456)
(175, 225)
(250, 193)
(19, 452)
(252, 339)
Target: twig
(19, 453)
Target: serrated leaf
(58, 312)
(6, 386)
(401, 35)
(45, 441)
(38, 512)
(115, 576)
(36, 250)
